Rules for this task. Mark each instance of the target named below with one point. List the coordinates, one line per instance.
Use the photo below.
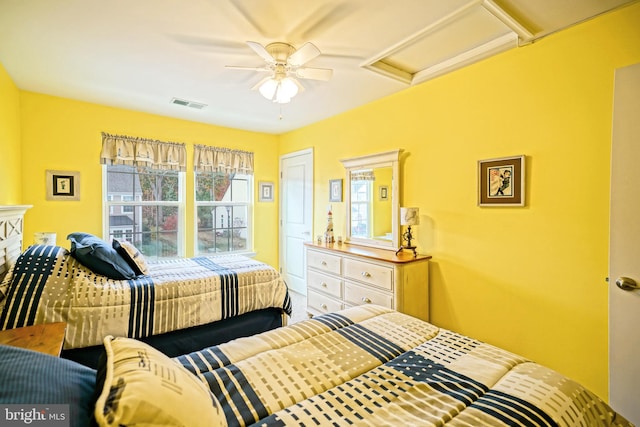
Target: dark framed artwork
(501, 181)
(335, 190)
(63, 185)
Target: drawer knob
(324, 263)
(366, 274)
(323, 284)
(323, 306)
(366, 300)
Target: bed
(178, 306)
(365, 365)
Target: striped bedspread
(48, 285)
(369, 365)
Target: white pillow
(142, 386)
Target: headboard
(11, 219)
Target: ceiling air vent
(185, 103)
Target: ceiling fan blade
(300, 87)
(262, 51)
(303, 55)
(314, 73)
(239, 67)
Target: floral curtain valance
(363, 175)
(225, 160)
(125, 150)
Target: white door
(624, 251)
(296, 216)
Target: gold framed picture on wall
(62, 185)
(383, 193)
(501, 181)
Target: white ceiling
(140, 54)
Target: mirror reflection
(371, 206)
(372, 196)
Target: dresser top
(369, 252)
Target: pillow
(139, 385)
(132, 255)
(99, 257)
(30, 378)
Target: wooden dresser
(11, 220)
(341, 276)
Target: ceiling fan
(286, 66)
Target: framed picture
(383, 192)
(266, 191)
(501, 182)
(335, 190)
(63, 185)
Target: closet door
(296, 216)
(624, 264)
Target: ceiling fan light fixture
(279, 90)
(288, 87)
(268, 88)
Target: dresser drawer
(322, 261)
(373, 274)
(322, 303)
(358, 295)
(322, 282)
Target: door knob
(626, 284)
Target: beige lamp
(409, 217)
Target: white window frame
(248, 251)
(180, 203)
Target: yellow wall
(530, 279)
(63, 134)
(10, 165)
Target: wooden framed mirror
(372, 197)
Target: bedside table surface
(45, 338)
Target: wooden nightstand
(46, 338)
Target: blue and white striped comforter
(48, 285)
(369, 365)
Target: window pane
(204, 187)
(359, 219)
(130, 183)
(151, 229)
(360, 191)
(122, 182)
(222, 228)
(222, 188)
(240, 189)
(159, 185)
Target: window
(145, 207)
(223, 220)
(143, 187)
(361, 197)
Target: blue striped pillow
(28, 377)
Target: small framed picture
(62, 185)
(383, 192)
(266, 191)
(335, 190)
(501, 181)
